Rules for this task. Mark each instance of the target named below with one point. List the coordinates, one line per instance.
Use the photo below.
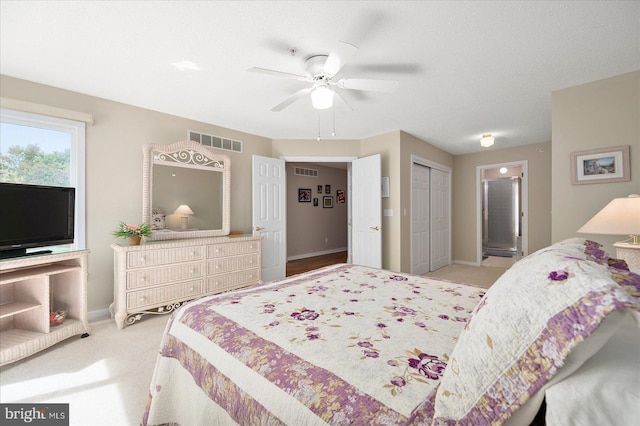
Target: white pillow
(605, 390)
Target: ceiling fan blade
(368, 84)
(344, 101)
(338, 57)
(291, 99)
(278, 73)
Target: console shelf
(31, 288)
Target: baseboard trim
(318, 253)
(464, 262)
(98, 315)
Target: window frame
(77, 175)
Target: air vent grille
(215, 141)
(300, 171)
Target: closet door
(420, 219)
(440, 214)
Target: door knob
(259, 228)
(375, 228)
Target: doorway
(502, 217)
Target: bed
(348, 344)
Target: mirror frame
(192, 155)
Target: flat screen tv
(34, 216)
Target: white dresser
(160, 276)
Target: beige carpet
(483, 276)
(104, 378)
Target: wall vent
(215, 141)
(300, 171)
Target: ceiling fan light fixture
(322, 96)
(487, 140)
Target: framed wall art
(340, 196)
(600, 165)
(304, 195)
(327, 202)
(327, 189)
(315, 202)
(319, 189)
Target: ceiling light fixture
(503, 170)
(186, 66)
(487, 140)
(322, 96)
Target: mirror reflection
(186, 191)
(199, 190)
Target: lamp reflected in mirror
(185, 211)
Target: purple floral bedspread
(344, 344)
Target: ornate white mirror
(186, 191)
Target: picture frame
(319, 189)
(605, 165)
(340, 196)
(304, 195)
(315, 202)
(327, 189)
(327, 202)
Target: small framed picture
(600, 165)
(304, 195)
(315, 202)
(327, 189)
(319, 189)
(327, 202)
(340, 196)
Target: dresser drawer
(232, 249)
(229, 264)
(164, 295)
(233, 280)
(149, 277)
(141, 259)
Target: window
(42, 150)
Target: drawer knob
(142, 299)
(217, 266)
(191, 289)
(143, 278)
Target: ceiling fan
(320, 71)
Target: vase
(134, 240)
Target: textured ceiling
(464, 68)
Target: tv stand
(10, 254)
(32, 287)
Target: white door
(269, 214)
(440, 217)
(420, 219)
(367, 211)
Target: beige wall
(595, 115)
(307, 225)
(465, 209)
(600, 114)
(114, 168)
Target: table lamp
(620, 217)
(185, 211)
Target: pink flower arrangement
(128, 230)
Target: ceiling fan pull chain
(318, 126)
(333, 109)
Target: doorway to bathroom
(502, 227)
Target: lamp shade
(183, 209)
(620, 217)
(322, 96)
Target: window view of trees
(31, 165)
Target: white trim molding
(47, 110)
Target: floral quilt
(341, 345)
